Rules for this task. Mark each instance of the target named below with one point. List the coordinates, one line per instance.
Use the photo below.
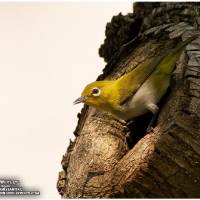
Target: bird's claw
(150, 129)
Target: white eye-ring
(96, 91)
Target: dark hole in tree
(139, 125)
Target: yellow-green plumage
(136, 92)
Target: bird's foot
(129, 121)
(150, 129)
(120, 120)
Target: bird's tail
(170, 59)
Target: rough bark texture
(112, 159)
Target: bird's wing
(129, 84)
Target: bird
(136, 92)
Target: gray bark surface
(112, 159)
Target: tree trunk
(110, 158)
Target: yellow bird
(137, 92)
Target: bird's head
(97, 94)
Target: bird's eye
(96, 91)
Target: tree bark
(110, 158)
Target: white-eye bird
(137, 92)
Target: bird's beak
(80, 100)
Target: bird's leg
(154, 109)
